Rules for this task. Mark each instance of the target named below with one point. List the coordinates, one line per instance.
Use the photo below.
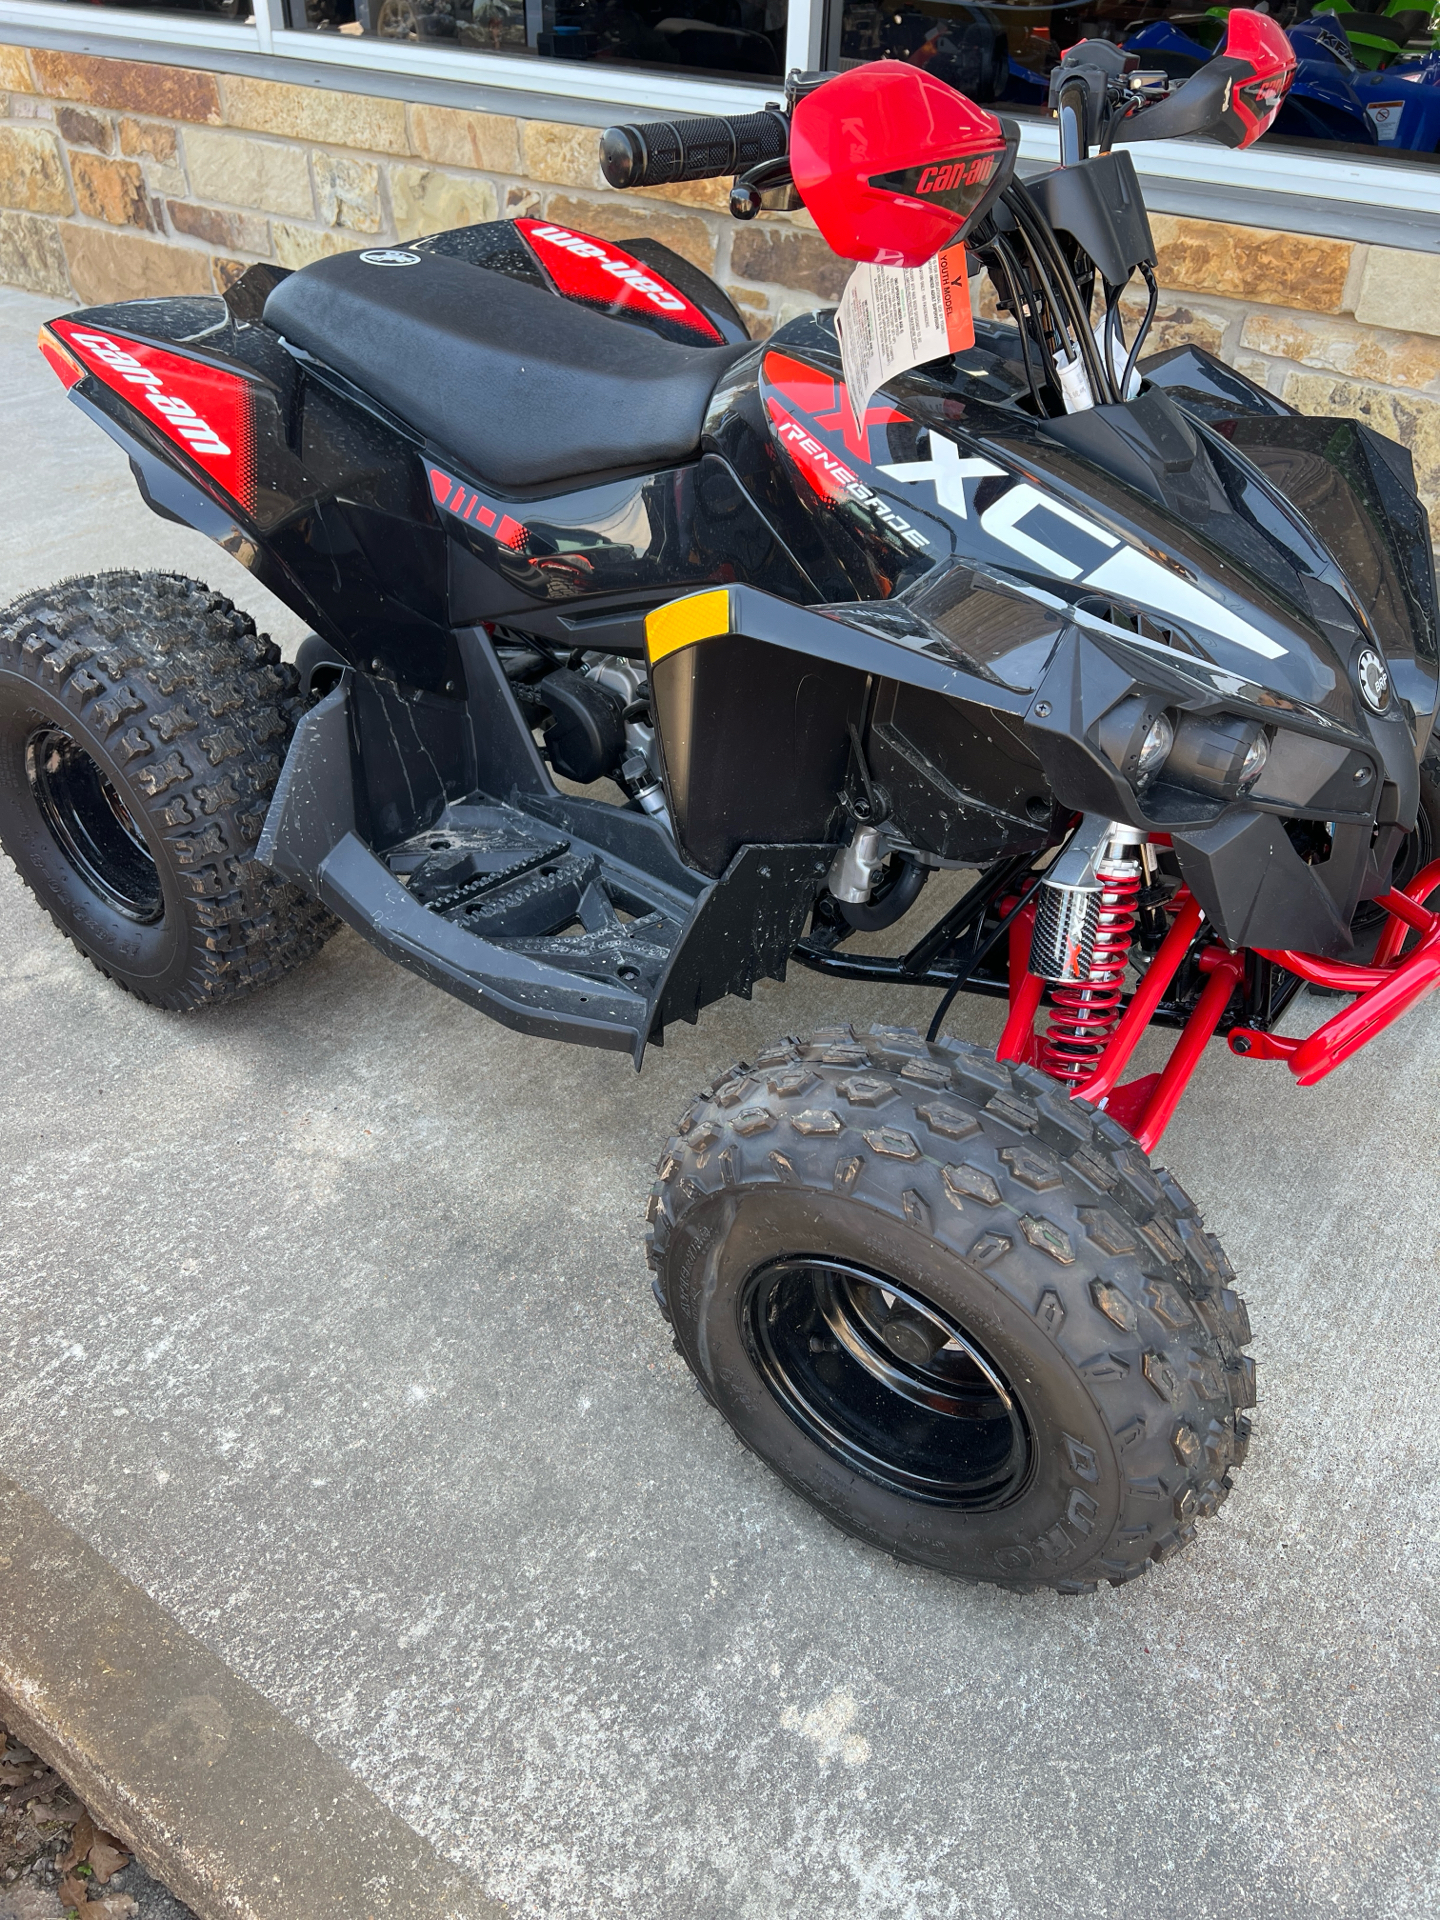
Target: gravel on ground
(56, 1862)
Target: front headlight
(1155, 746)
(1217, 754)
(1135, 737)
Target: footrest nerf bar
(575, 921)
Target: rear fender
(209, 395)
(308, 486)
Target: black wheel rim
(886, 1382)
(92, 826)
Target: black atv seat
(521, 385)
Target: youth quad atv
(643, 667)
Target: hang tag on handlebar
(893, 318)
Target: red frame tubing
(1027, 989)
(1146, 999)
(1155, 1096)
(1227, 971)
(1389, 986)
(1393, 983)
(1426, 882)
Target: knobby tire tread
(1055, 1202)
(199, 709)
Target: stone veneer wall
(119, 179)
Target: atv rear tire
(143, 723)
(956, 1311)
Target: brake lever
(1136, 92)
(746, 194)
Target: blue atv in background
(1355, 81)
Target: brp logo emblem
(390, 257)
(1374, 678)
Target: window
(239, 13)
(721, 39)
(1359, 134)
(1366, 82)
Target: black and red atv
(643, 667)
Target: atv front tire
(958, 1312)
(143, 723)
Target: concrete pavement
(324, 1322)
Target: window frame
(1348, 182)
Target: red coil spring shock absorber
(1087, 1008)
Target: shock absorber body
(1085, 919)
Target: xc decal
(1135, 576)
(1042, 530)
(1069, 545)
(1045, 531)
(1051, 535)
(946, 471)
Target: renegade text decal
(832, 479)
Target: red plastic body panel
(205, 410)
(584, 268)
(1261, 41)
(893, 164)
(63, 364)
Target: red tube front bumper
(1390, 986)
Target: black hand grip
(661, 152)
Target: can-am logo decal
(957, 173)
(203, 409)
(467, 505)
(584, 268)
(958, 185)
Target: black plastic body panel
(1098, 204)
(734, 706)
(723, 935)
(640, 538)
(967, 586)
(960, 778)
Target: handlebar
(659, 153)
